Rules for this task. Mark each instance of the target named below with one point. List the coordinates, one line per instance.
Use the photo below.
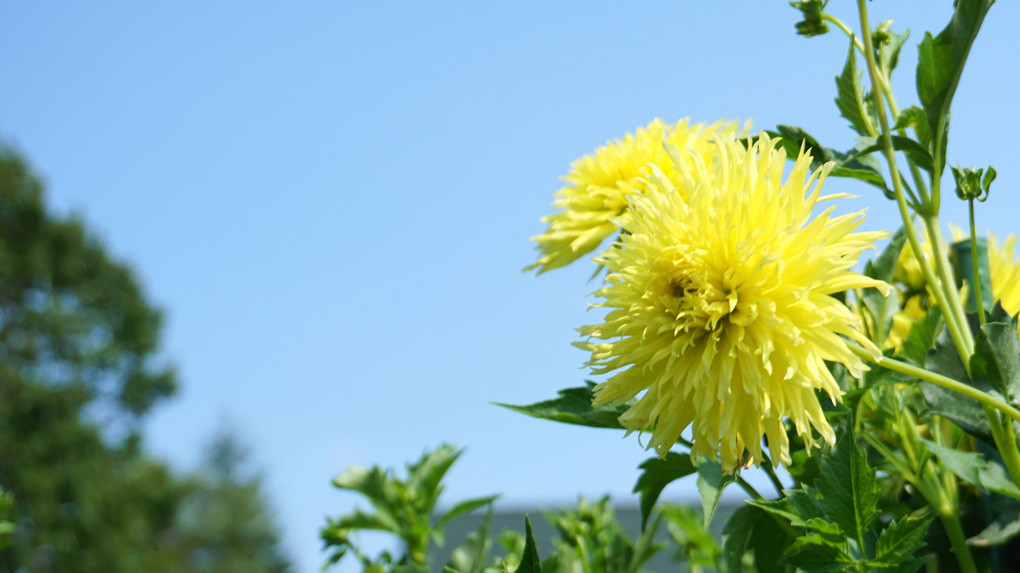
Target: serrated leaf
(573, 406)
(996, 359)
(850, 95)
(909, 566)
(940, 64)
(901, 538)
(711, 483)
(847, 486)
(530, 562)
(799, 507)
(753, 533)
(816, 558)
(656, 474)
(975, 469)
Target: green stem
(1005, 441)
(936, 379)
(951, 522)
(940, 290)
(771, 472)
(976, 277)
(931, 223)
(846, 30)
(889, 456)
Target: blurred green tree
(78, 370)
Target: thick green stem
(951, 522)
(936, 379)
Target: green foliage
(838, 518)
(530, 561)
(6, 527)
(656, 474)
(813, 23)
(888, 45)
(940, 66)
(850, 98)
(753, 541)
(696, 547)
(222, 525)
(78, 336)
(404, 508)
(881, 307)
(853, 164)
(712, 480)
(591, 539)
(573, 406)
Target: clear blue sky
(332, 202)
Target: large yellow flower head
(720, 305)
(594, 202)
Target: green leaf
(889, 51)
(574, 407)
(900, 539)
(909, 566)
(361, 520)
(425, 475)
(530, 562)
(816, 558)
(463, 507)
(917, 154)
(850, 95)
(655, 475)
(376, 485)
(974, 469)
(940, 64)
(923, 336)
(849, 494)
(853, 165)
(915, 117)
(881, 307)
(1005, 527)
(966, 412)
(996, 359)
(801, 509)
(470, 556)
(884, 265)
(711, 483)
(752, 534)
(645, 547)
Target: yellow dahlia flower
(720, 305)
(594, 201)
(1002, 264)
(1005, 269)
